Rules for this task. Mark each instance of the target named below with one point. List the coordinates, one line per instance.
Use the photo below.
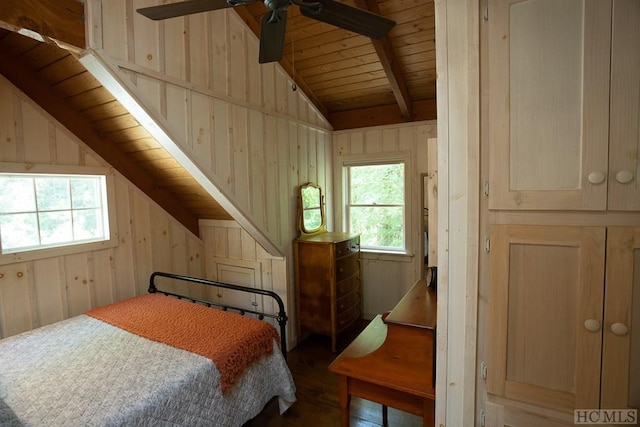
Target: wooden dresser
(328, 290)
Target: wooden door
(621, 348)
(545, 305)
(548, 103)
(624, 166)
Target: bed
(156, 359)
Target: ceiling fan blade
(173, 10)
(272, 29)
(348, 17)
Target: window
(375, 204)
(43, 210)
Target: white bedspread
(84, 372)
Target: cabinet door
(548, 103)
(621, 349)
(546, 296)
(624, 167)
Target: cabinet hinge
(483, 370)
(482, 418)
(485, 188)
(485, 13)
(487, 244)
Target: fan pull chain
(294, 87)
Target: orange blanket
(233, 342)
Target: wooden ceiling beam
(390, 64)
(61, 110)
(380, 116)
(59, 22)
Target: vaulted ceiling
(353, 81)
(356, 81)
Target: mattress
(85, 372)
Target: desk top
(417, 308)
(397, 352)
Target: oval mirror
(311, 217)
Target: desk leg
(428, 413)
(345, 399)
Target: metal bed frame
(281, 317)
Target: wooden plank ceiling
(355, 81)
(60, 84)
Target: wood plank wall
(386, 278)
(43, 291)
(251, 134)
(228, 244)
(254, 137)
(241, 123)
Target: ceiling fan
(273, 24)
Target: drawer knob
(596, 177)
(624, 177)
(592, 325)
(619, 329)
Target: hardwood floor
(317, 392)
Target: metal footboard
(281, 317)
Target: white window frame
(71, 248)
(342, 162)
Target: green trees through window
(375, 205)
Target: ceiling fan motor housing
(276, 4)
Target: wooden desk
(392, 361)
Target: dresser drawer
(346, 318)
(347, 266)
(347, 302)
(347, 286)
(347, 247)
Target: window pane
(55, 227)
(53, 194)
(17, 195)
(87, 224)
(378, 226)
(63, 210)
(377, 184)
(85, 193)
(19, 231)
